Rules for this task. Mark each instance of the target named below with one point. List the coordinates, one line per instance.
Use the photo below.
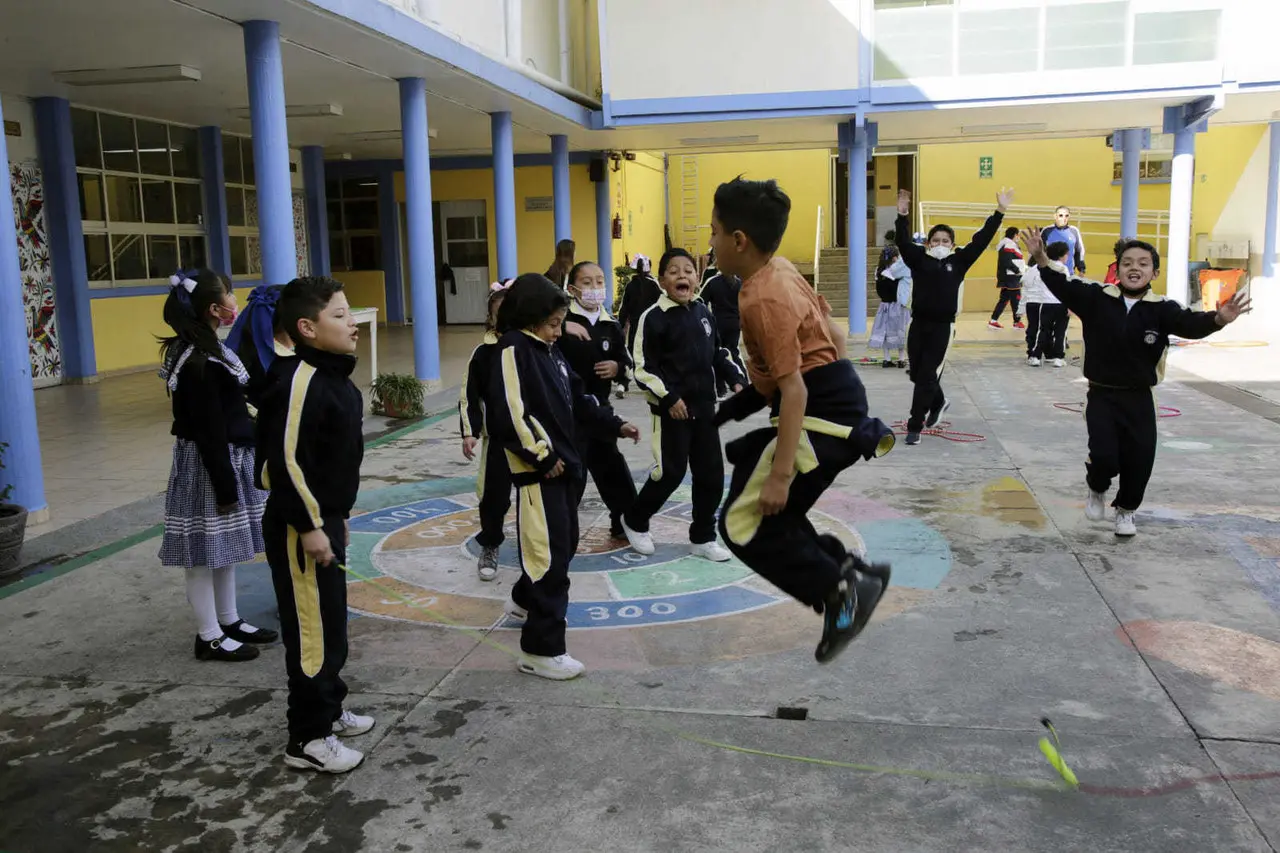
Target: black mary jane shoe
(213, 650)
(258, 636)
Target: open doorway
(890, 171)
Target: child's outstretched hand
(631, 431)
(904, 202)
(579, 331)
(1004, 198)
(469, 446)
(1230, 311)
(1035, 246)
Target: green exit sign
(986, 167)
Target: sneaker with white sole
(1057, 362)
(931, 419)
(487, 565)
(641, 543)
(352, 725)
(558, 668)
(1125, 526)
(1032, 361)
(713, 551)
(324, 755)
(515, 612)
(1095, 506)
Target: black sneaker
(850, 605)
(886, 363)
(213, 650)
(615, 528)
(932, 418)
(261, 636)
(913, 438)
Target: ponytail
(186, 311)
(253, 335)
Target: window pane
(124, 199)
(97, 256)
(162, 255)
(1088, 35)
(359, 188)
(157, 201)
(84, 137)
(185, 145)
(231, 167)
(338, 253)
(333, 189)
(459, 228)
(361, 215)
(255, 256)
(998, 41)
(239, 256)
(1161, 37)
(482, 229)
(91, 205)
(335, 214)
(366, 253)
(246, 155)
(235, 206)
(469, 253)
(251, 208)
(126, 251)
(191, 251)
(190, 204)
(119, 149)
(153, 148)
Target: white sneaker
(324, 755)
(558, 668)
(1124, 523)
(1095, 506)
(641, 543)
(1032, 361)
(1057, 362)
(515, 611)
(713, 551)
(352, 725)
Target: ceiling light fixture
(298, 111)
(126, 76)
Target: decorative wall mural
(300, 232)
(36, 272)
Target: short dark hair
(1061, 207)
(951, 232)
(890, 236)
(1146, 247)
(1057, 250)
(303, 299)
(565, 246)
(1011, 232)
(573, 273)
(670, 255)
(529, 302)
(1118, 247)
(759, 209)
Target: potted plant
(397, 395)
(13, 526)
(621, 275)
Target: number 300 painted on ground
(630, 611)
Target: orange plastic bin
(1217, 286)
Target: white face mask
(940, 252)
(592, 299)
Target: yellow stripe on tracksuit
(292, 427)
(535, 539)
(742, 518)
(306, 603)
(655, 440)
(651, 383)
(538, 446)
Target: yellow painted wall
(125, 329)
(805, 176)
(1076, 172)
(365, 289)
(640, 198)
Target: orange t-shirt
(784, 325)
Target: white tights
(212, 594)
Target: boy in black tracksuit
(720, 293)
(538, 406)
(1126, 333)
(1009, 267)
(677, 357)
(493, 483)
(937, 271)
(601, 456)
(311, 444)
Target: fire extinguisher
(617, 227)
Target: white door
(466, 250)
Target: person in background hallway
(893, 286)
(937, 272)
(1113, 269)
(1063, 231)
(558, 272)
(641, 293)
(1046, 316)
(720, 293)
(1009, 267)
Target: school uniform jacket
(1009, 265)
(640, 294)
(677, 356)
(538, 407)
(1124, 348)
(209, 410)
(936, 283)
(310, 438)
(720, 293)
(475, 384)
(606, 344)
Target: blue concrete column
(604, 232)
(421, 237)
(213, 176)
(1131, 149)
(504, 195)
(560, 186)
(17, 400)
(389, 224)
(66, 239)
(1180, 188)
(861, 142)
(1273, 197)
(317, 204)
(270, 151)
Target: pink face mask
(227, 316)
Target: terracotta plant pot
(13, 529)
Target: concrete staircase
(833, 281)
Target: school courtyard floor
(703, 722)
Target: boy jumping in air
(819, 425)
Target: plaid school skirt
(194, 533)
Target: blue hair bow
(259, 317)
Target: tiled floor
(107, 445)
